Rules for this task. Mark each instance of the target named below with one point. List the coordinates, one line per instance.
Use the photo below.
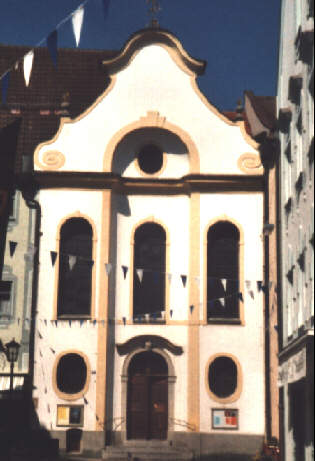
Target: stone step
(129, 453)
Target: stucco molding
(250, 163)
(148, 342)
(152, 119)
(80, 394)
(40, 149)
(51, 160)
(239, 385)
(158, 37)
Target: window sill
(219, 321)
(150, 321)
(73, 317)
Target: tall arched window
(149, 256)
(223, 271)
(75, 268)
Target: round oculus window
(150, 159)
(71, 374)
(223, 377)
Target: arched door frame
(171, 389)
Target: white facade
(153, 98)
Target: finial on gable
(239, 111)
(153, 11)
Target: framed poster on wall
(226, 419)
(70, 415)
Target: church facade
(150, 325)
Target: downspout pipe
(29, 192)
(267, 310)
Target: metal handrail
(183, 423)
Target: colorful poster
(62, 415)
(225, 419)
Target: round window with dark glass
(150, 159)
(71, 374)
(223, 377)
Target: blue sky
(238, 38)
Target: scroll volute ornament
(52, 160)
(250, 164)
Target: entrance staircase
(147, 451)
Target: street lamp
(12, 352)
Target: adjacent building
(262, 119)
(296, 209)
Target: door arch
(147, 397)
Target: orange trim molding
(76, 214)
(153, 120)
(78, 395)
(239, 387)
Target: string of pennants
(109, 267)
(72, 260)
(76, 17)
(140, 317)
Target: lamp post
(12, 352)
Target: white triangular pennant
(108, 268)
(224, 282)
(72, 261)
(77, 21)
(27, 66)
(248, 284)
(140, 274)
(222, 301)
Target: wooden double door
(147, 400)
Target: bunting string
(62, 323)
(109, 267)
(76, 17)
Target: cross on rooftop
(154, 9)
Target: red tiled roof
(265, 108)
(78, 79)
(233, 117)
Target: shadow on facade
(21, 435)
(297, 411)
